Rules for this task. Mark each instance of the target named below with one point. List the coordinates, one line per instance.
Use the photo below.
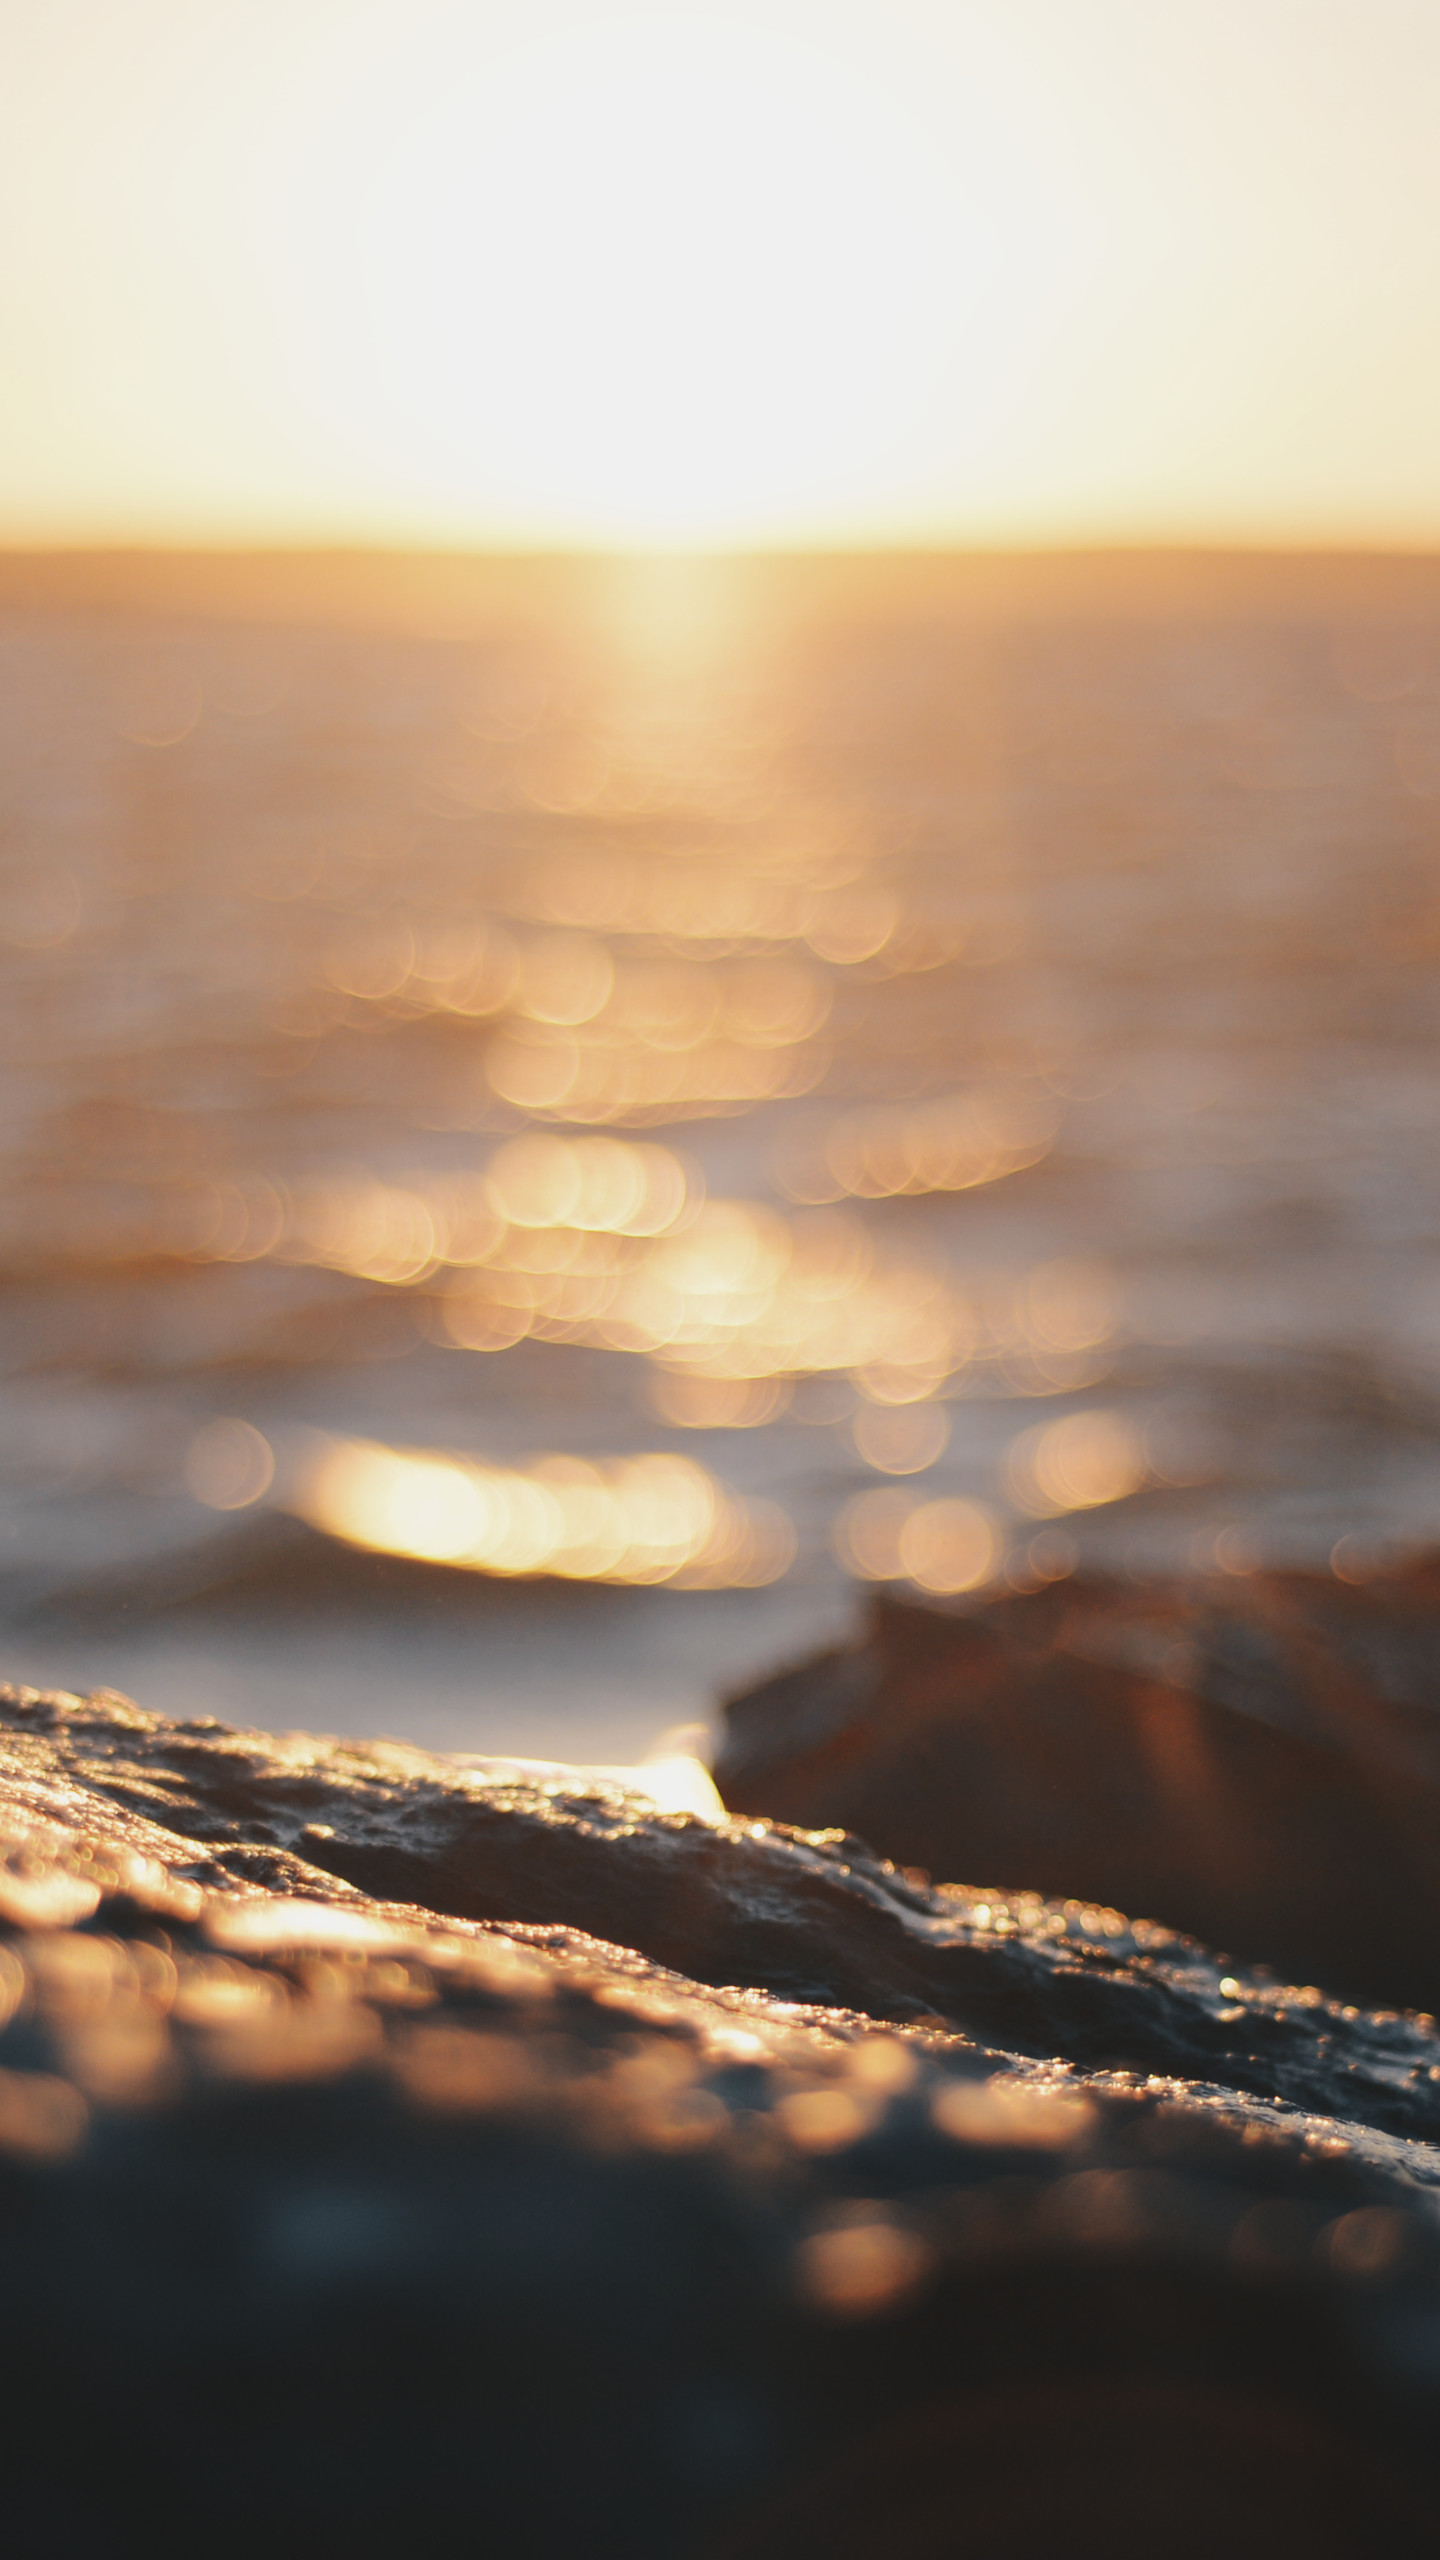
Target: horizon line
(268, 546)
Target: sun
(683, 281)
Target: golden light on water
(732, 1302)
(650, 1519)
(1082, 1461)
(611, 1243)
(1076, 1464)
(762, 898)
(944, 1547)
(628, 988)
(952, 1143)
(741, 1292)
(901, 1440)
(698, 1403)
(657, 1038)
(637, 1015)
(691, 937)
(592, 1184)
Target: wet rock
(808, 1916)
(334, 2221)
(1255, 1759)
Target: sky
(548, 273)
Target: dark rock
(814, 1917)
(334, 2223)
(1255, 1759)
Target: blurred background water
(562, 1119)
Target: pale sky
(812, 271)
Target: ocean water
(562, 1121)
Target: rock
(1253, 1759)
(824, 2209)
(810, 1917)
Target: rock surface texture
(1257, 1758)
(398, 2158)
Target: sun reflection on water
(952, 1143)
(612, 1245)
(944, 1547)
(673, 982)
(1076, 1464)
(655, 1518)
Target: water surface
(560, 1120)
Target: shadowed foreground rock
(1256, 1758)
(396, 2159)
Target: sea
(566, 1121)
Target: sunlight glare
(674, 284)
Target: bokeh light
(1076, 1463)
(229, 1465)
(857, 1121)
(900, 1439)
(655, 1518)
(953, 1143)
(944, 1547)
